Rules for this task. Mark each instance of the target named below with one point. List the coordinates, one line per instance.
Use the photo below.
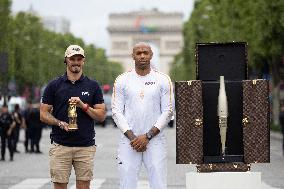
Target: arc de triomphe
(163, 31)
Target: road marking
(143, 184)
(95, 184)
(31, 183)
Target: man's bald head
(140, 45)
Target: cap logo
(76, 49)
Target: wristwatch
(149, 135)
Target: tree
(260, 23)
(36, 55)
(4, 41)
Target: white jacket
(141, 102)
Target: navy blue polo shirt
(57, 93)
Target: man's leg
(39, 130)
(3, 145)
(60, 165)
(80, 184)
(155, 160)
(16, 138)
(11, 146)
(26, 140)
(33, 141)
(83, 162)
(60, 186)
(129, 164)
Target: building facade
(163, 31)
(53, 23)
(56, 24)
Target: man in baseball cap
(72, 148)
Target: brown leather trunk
(220, 167)
(229, 60)
(256, 121)
(189, 115)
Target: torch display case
(198, 134)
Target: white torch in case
(222, 113)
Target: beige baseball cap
(74, 49)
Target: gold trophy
(72, 115)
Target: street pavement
(31, 171)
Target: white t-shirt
(141, 102)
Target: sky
(89, 18)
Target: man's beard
(143, 66)
(75, 68)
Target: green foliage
(4, 30)
(36, 55)
(275, 127)
(179, 70)
(4, 20)
(260, 23)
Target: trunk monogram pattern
(256, 121)
(189, 115)
(223, 167)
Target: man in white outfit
(142, 106)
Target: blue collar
(65, 78)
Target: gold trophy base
(72, 127)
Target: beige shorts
(62, 158)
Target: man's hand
(78, 102)
(140, 143)
(9, 132)
(63, 125)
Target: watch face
(149, 136)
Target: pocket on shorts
(92, 148)
(53, 147)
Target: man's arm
(48, 118)
(130, 135)
(118, 103)
(17, 118)
(23, 123)
(12, 126)
(98, 112)
(167, 104)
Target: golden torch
(72, 115)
